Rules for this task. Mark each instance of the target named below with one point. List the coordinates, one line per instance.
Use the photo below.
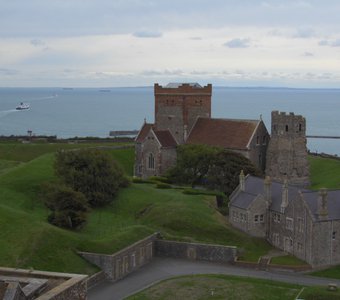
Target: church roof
(225, 133)
(143, 132)
(165, 138)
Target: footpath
(163, 268)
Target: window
(151, 161)
(333, 235)
(264, 140)
(258, 218)
(300, 127)
(286, 128)
(277, 218)
(257, 140)
(289, 223)
(300, 224)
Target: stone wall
(195, 251)
(120, 264)
(287, 150)
(176, 109)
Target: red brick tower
(178, 105)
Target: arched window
(151, 161)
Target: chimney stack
(322, 204)
(242, 181)
(284, 202)
(268, 190)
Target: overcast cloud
(135, 42)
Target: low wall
(195, 251)
(127, 260)
(95, 279)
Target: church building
(183, 116)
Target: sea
(94, 112)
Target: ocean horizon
(68, 112)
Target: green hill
(29, 241)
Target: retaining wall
(195, 251)
(120, 264)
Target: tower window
(333, 235)
(286, 128)
(300, 127)
(151, 161)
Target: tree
(68, 207)
(192, 163)
(212, 167)
(91, 172)
(225, 169)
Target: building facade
(301, 222)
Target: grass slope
(28, 241)
(325, 172)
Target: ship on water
(22, 106)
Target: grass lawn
(325, 172)
(229, 287)
(287, 260)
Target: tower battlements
(284, 124)
(183, 89)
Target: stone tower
(287, 150)
(177, 107)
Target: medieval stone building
(299, 221)
(183, 115)
(287, 151)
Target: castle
(278, 208)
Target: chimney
(242, 181)
(268, 190)
(284, 202)
(322, 204)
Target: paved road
(163, 268)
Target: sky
(112, 43)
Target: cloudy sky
(107, 43)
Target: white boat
(22, 106)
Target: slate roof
(255, 186)
(165, 138)
(333, 203)
(225, 133)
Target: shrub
(68, 207)
(92, 172)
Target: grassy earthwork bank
(28, 241)
(230, 287)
